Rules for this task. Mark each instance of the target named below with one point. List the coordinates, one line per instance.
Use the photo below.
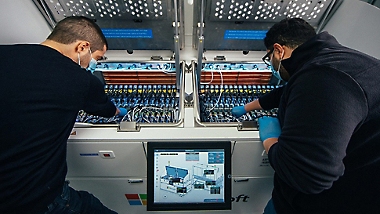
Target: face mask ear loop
(89, 49)
(279, 64)
(278, 71)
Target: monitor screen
(189, 176)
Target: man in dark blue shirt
(42, 89)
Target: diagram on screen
(196, 176)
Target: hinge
(188, 68)
(127, 126)
(189, 102)
(156, 58)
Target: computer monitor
(189, 176)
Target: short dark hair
(75, 28)
(291, 32)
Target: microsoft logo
(136, 199)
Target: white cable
(129, 111)
(212, 78)
(150, 107)
(221, 90)
(167, 71)
(146, 119)
(133, 113)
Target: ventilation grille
(109, 9)
(267, 10)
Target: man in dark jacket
(42, 89)
(324, 146)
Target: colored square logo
(136, 199)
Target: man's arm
(268, 101)
(96, 101)
(320, 116)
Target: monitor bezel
(225, 145)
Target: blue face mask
(92, 65)
(276, 73)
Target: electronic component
(226, 85)
(147, 90)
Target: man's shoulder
(19, 46)
(27, 47)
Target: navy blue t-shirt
(41, 94)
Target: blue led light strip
(127, 33)
(245, 34)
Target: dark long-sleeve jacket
(327, 159)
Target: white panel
(22, 22)
(356, 24)
(111, 192)
(84, 159)
(252, 176)
(250, 159)
(248, 197)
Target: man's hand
(238, 111)
(121, 112)
(269, 131)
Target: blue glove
(123, 112)
(269, 127)
(238, 111)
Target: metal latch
(127, 126)
(220, 58)
(134, 181)
(247, 126)
(189, 102)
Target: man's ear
(277, 48)
(81, 46)
(283, 51)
